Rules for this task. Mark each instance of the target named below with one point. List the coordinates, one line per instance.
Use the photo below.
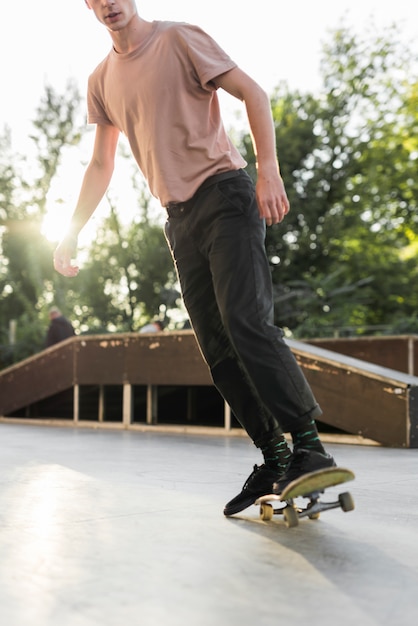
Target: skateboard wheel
(290, 517)
(346, 502)
(266, 512)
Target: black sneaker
(259, 483)
(303, 462)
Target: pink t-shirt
(162, 98)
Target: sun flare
(56, 221)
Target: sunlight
(62, 197)
(63, 194)
(56, 221)
(53, 512)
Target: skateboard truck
(310, 486)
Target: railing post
(152, 404)
(127, 405)
(101, 407)
(76, 403)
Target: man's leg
(220, 256)
(199, 298)
(243, 288)
(227, 373)
(230, 234)
(232, 238)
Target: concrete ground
(123, 528)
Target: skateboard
(309, 486)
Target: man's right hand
(63, 254)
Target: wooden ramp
(357, 396)
(361, 397)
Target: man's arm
(95, 182)
(271, 195)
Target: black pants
(217, 242)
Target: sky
(49, 41)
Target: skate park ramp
(366, 387)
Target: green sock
(308, 438)
(277, 453)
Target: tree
(348, 157)
(26, 268)
(129, 277)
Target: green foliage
(26, 256)
(349, 160)
(129, 277)
(57, 127)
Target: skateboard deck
(309, 486)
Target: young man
(158, 86)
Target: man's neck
(131, 36)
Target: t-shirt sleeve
(96, 113)
(206, 55)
